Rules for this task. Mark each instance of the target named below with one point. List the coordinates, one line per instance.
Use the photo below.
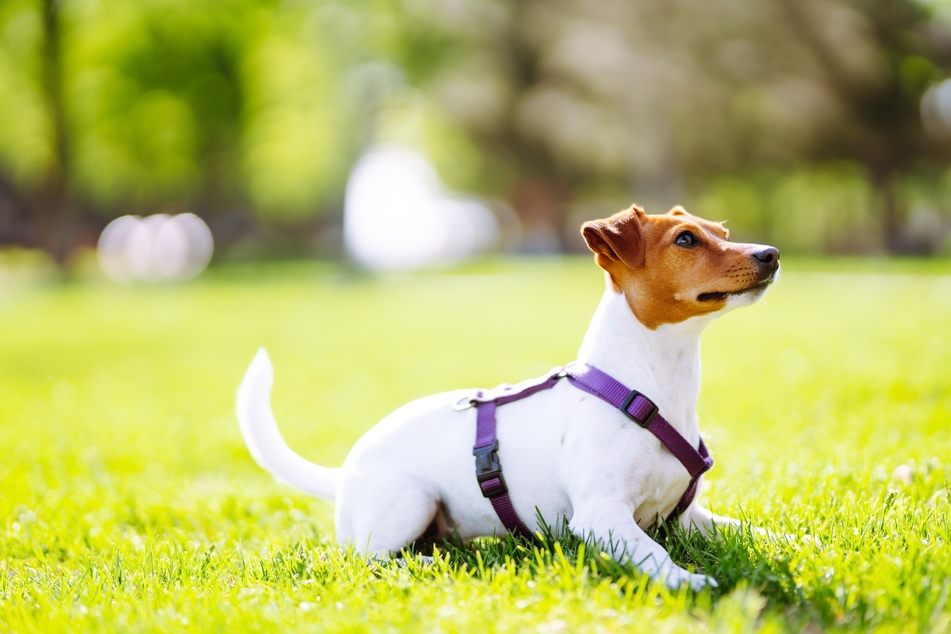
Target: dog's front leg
(700, 518)
(612, 527)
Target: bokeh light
(398, 215)
(156, 248)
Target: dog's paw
(675, 578)
(404, 562)
(425, 560)
(698, 583)
(789, 538)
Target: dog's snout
(769, 255)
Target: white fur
(563, 451)
(265, 442)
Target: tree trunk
(890, 210)
(54, 209)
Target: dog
(567, 454)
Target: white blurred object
(156, 248)
(397, 215)
(936, 109)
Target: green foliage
(830, 208)
(130, 501)
(207, 105)
(299, 130)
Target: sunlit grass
(130, 503)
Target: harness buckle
(489, 470)
(627, 403)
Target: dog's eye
(685, 239)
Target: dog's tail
(265, 442)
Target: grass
(130, 503)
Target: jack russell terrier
(610, 442)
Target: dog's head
(676, 266)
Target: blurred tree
(760, 109)
(109, 108)
(568, 97)
(884, 131)
(31, 80)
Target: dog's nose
(769, 255)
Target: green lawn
(130, 503)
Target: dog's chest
(609, 456)
(658, 492)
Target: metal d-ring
(463, 404)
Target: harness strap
(488, 467)
(489, 470)
(587, 378)
(642, 411)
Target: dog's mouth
(718, 296)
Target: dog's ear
(678, 211)
(619, 238)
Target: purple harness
(632, 404)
